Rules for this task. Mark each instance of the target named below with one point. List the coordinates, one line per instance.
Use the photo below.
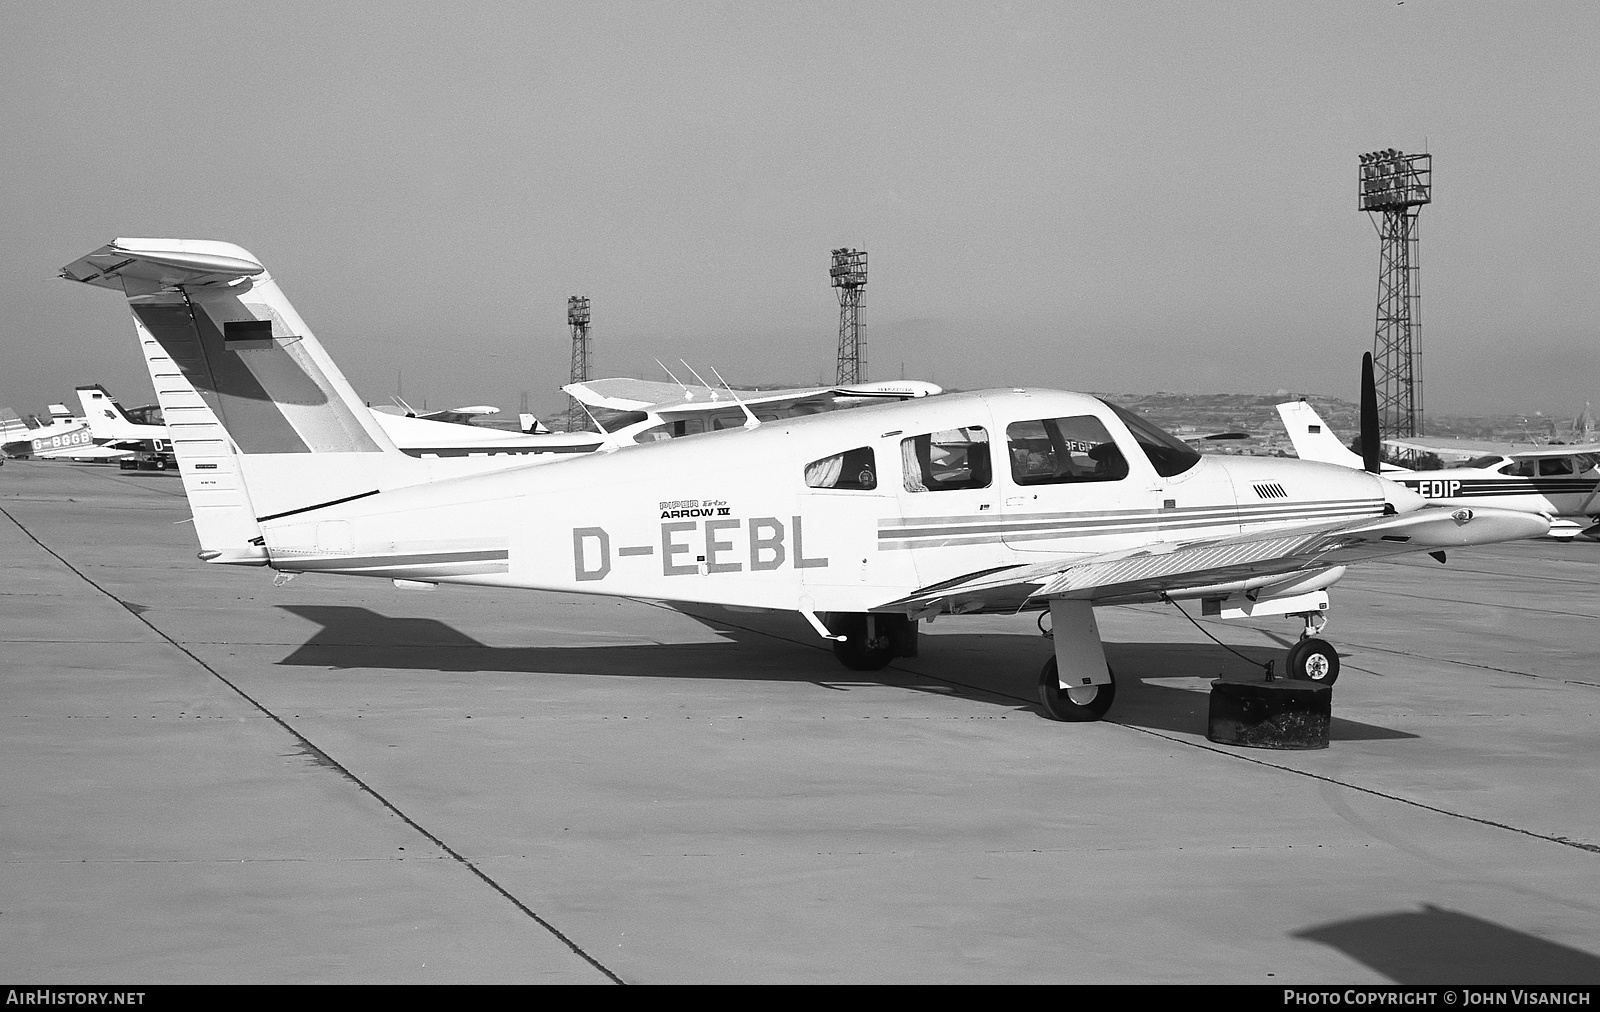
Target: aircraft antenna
(1393, 187)
(849, 275)
(663, 365)
(701, 378)
(578, 322)
(750, 420)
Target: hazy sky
(1105, 196)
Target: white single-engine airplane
(1560, 481)
(863, 521)
(65, 437)
(138, 434)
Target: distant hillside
(1201, 414)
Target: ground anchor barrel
(1277, 714)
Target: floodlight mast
(849, 275)
(1393, 188)
(578, 321)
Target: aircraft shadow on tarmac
(994, 668)
(1437, 946)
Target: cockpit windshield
(1168, 454)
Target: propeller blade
(1370, 443)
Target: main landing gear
(1075, 684)
(1313, 659)
(1077, 703)
(871, 641)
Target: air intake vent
(1270, 490)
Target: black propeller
(1369, 417)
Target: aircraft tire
(1058, 703)
(854, 652)
(856, 656)
(1314, 660)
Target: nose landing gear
(1313, 659)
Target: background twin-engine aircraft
(1559, 480)
(863, 521)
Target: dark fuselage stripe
(318, 506)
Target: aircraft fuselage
(838, 512)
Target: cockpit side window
(950, 459)
(1168, 454)
(855, 469)
(1555, 465)
(1054, 451)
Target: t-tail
(262, 422)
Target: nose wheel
(1313, 660)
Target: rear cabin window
(1519, 469)
(1054, 451)
(950, 459)
(851, 469)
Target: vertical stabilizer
(261, 420)
(107, 420)
(1312, 438)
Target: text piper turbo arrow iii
(863, 521)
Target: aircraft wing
(1146, 573)
(622, 393)
(1479, 448)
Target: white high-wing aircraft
(652, 410)
(456, 416)
(862, 521)
(142, 437)
(1561, 481)
(426, 436)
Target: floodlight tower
(1393, 188)
(578, 321)
(849, 275)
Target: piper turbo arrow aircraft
(862, 521)
(1560, 481)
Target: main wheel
(857, 652)
(1314, 660)
(1079, 703)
